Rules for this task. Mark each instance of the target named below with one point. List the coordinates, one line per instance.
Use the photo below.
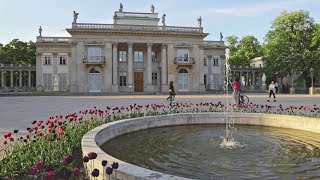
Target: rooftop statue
(200, 22)
(164, 19)
(75, 16)
(221, 36)
(121, 7)
(152, 8)
(40, 31)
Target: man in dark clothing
(172, 93)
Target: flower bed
(52, 148)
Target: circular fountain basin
(183, 146)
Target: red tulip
(40, 165)
(33, 170)
(49, 175)
(60, 131)
(76, 171)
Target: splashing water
(230, 143)
(228, 140)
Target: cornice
(136, 32)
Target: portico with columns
(134, 54)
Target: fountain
(184, 146)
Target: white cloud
(256, 9)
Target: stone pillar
(210, 73)
(29, 78)
(130, 67)
(108, 69)
(11, 79)
(164, 85)
(3, 84)
(20, 78)
(201, 69)
(115, 87)
(149, 69)
(253, 80)
(39, 71)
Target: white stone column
(115, 87)
(29, 78)
(201, 69)
(108, 69)
(11, 80)
(149, 69)
(20, 78)
(164, 85)
(130, 67)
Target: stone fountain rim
(92, 140)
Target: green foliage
(18, 52)
(291, 45)
(241, 52)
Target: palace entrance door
(138, 81)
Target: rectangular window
(63, 81)
(62, 60)
(205, 62)
(253, 65)
(215, 62)
(47, 81)
(94, 54)
(154, 79)
(259, 65)
(123, 78)
(138, 56)
(183, 55)
(47, 60)
(122, 56)
(154, 56)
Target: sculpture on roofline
(221, 36)
(40, 31)
(75, 16)
(164, 19)
(200, 22)
(121, 7)
(152, 8)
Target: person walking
(276, 85)
(172, 93)
(236, 90)
(271, 91)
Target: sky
(20, 19)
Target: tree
(288, 45)
(241, 52)
(18, 52)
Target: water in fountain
(228, 141)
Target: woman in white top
(271, 91)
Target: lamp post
(311, 90)
(311, 70)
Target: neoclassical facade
(137, 53)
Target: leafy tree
(290, 46)
(241, 52)
(18, 52)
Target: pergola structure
(17, 77)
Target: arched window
(183, 79)
(93, 70)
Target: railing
(136, 27)
(213, 43)
(18, 66)
(94, 60)
(53, 39)
(184, 61)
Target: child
(271, 91)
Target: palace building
(139, 52)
